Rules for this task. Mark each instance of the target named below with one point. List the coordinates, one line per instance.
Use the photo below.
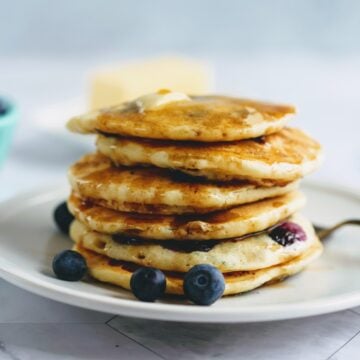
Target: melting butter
(160, 98)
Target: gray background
(71, 28)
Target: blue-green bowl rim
(10, 116)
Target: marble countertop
(32, 327)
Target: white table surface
(31, 327)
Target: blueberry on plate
(3, 108)
(63, 218)
(69, 265)
(148, 284)
(204, 284)
(288, 233)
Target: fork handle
(324, 233)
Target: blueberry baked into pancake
(189, 195)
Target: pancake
(278, 158)
(119, 272)
(161, 191)
(238, 221)
(255, 252)
(204, 118)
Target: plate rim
(172, 312)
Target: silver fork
(324, 232)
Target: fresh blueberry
(63, 218)
(287, 233)
(69, 265)
(204, 284)
(148, 284)
(3, 108)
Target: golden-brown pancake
(238, 221)
(204, 118)
(161, 191)
(254, 252)
(282, 157)
(118, 272)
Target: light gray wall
(209, 27)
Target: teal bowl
(7, 125)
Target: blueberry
(287, 233)
(204, 284)
(69, 265)
(3, 108)
(63, 218)
(148, 284)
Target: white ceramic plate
(51, 119)
(29, 240)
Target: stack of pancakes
(201, 180)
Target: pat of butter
(115, 85)
(160, 98)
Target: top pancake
(204, 118)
